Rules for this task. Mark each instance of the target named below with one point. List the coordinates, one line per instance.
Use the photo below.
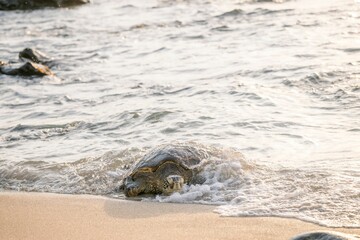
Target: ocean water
(269, 90)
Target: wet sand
(55, 216)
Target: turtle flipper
(132, 190)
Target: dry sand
(55, 216)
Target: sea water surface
(268, 90)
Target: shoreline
(59, 216)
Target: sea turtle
(164, 170)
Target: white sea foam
(319, 196)
(238, 186)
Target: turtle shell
(185, 156)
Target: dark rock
(36, 4)
(36, 64)
(36, 56)
(26, 69)
(325, 236)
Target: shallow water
(276, 82)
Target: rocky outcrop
(36, 4)
(32, 63)
(26, 69)
(324, 235)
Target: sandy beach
(56, 216)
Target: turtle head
(172, 177)
(172, 183)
